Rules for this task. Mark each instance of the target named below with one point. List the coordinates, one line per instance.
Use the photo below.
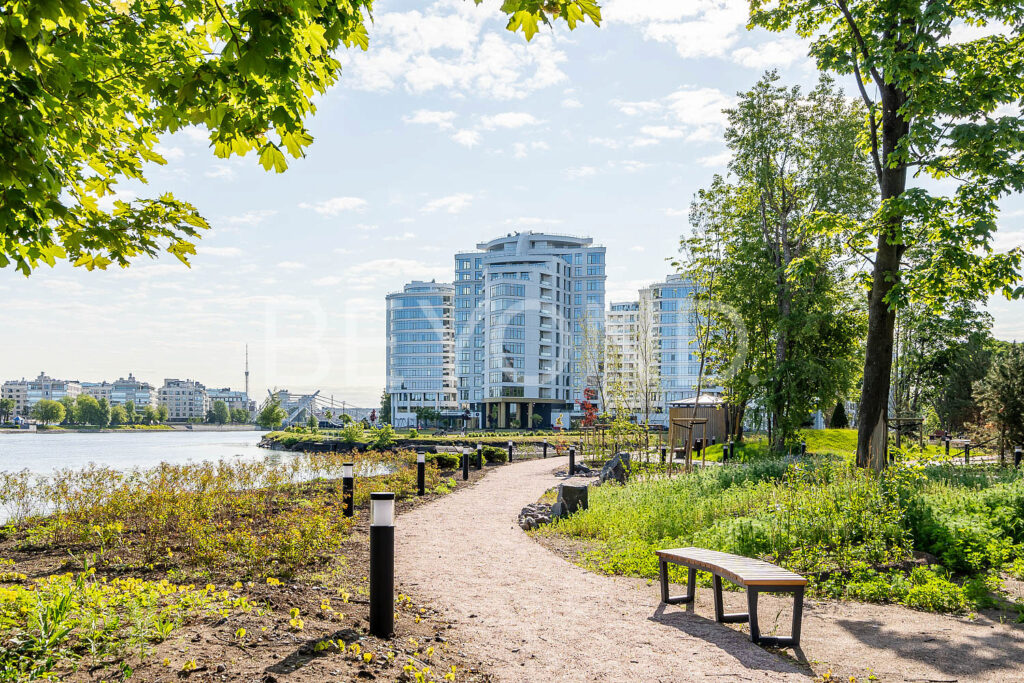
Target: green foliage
(385, 408)
(312, 424)
(239, 415)
(924, 588)
(1001, 393)
(351, 433)
(383, 438)
(90, 88)
(839, 419)
(48, 412)
(494, 455)
(163, 412)
(774, 301)
(444, 460)
(272, 415)
(150, 415)
(118, 416)
(6, 409)
(73, 621)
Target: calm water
(44, 453)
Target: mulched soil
(272, 650)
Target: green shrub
(351, 433)
(493, 454)
(445, 461)
(383, 438)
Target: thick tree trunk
(873, 425)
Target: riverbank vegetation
(933, 537)
(98, 567)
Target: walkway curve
(528, 615)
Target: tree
(932, 108)
(1001, 394)
(311, 423)
(150, 415)
(162, 413)
(89, 88)
(219, 413)
(92, 412)
(6, 408)
(48, 412)
(130, 413)
(239, 415)
(71, 415)
(839, 419)
(385, 407)
(763, 266)
(118, 416)
(272, 415)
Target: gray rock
(616, 469)
(573, 496)
(558, 510)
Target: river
(44, 453)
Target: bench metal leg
(720, 615)
(755, 630)
(778, 641)
(691, 585)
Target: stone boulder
(616, 469)
(533, 515)
(574, 497)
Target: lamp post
(1016, 456)
(382, 564)
(545, 448)
(572, 460)
(421, 474)
(479, 456)
(348, 488)
(465, 464)
(510, 452)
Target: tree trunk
(872, 427)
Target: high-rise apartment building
(526, 307)
(186, 399)
(650, 343)
(420, 355)
(26, 393)
(122, 391)
(234, 399)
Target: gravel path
(529, 615)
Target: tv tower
(247, 372)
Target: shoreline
(163, 429)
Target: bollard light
(572, 460)
(421, 473)
(947, 445)
(967, 453)
(348, 489)
(510, 452)
(479, 456)
(382, 564)
(545, 448)
(664, 452)
(1017, 456)
(465, 464)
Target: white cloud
(697, 28)
(222, 171)
(395, 270)
(675, 213)
(580, 172)
(632, 166)
(250, 218)
(335, 205)
(690, 113)
(400, 238)
(291, 265)
(453, 203)
(533, 220)
(571, 103)
(170, 153)
(636, 247)
(328, 281)
(714, 160)
(220, 251)
(508, 119)
(519, 150)
(663, 132)
(610, 143)
(782, 52)
(365, 227)
(441, 119)
(452, 46)
(467, 138)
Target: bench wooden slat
(744, 571)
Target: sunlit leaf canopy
(88, 87)
(959, 98)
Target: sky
(449, 131)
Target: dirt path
(529, 615)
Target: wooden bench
(754, 575)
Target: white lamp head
(421, 457)
(382, 509)
(347, 470)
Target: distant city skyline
(447, 131)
